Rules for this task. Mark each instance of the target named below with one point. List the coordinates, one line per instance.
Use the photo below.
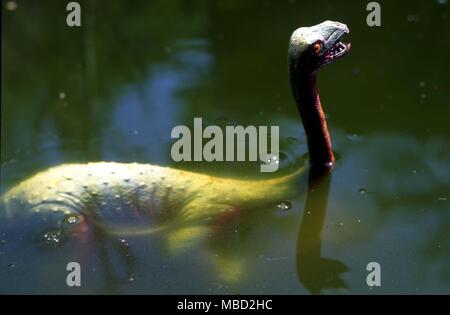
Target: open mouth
(336, 51)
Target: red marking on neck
(313, 118)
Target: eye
(317, 47)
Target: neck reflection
(313, 271)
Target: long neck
(313, 118)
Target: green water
(113, 90)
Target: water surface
(114, 89)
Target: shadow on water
(315, 272)
(113, 278)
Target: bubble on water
(131, 278)
(442, 198)
(414, 172)
(73, 220)
(62, 95)
(423, 96)
(53, 237)
(422, 84)
(359, 220)
(284, 205)
(341, 223)
(272, 160)
(123, 241)
(11, 266)
(362, 191)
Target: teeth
(337, 48)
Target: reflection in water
(315, 272)
(399, 156)
(107, 245)
(154, 106)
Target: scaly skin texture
(139, 198)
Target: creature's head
(310, 48)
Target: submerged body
(82, 201)
(139, 198)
